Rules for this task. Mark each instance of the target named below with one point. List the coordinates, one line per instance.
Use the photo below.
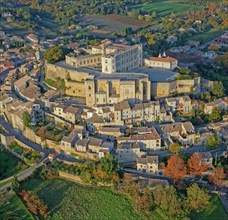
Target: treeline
(173, 203)
(34, 203)
(106, 170)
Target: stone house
(183, 132)
(182, 104)
(127, 152)
(221, 104)
(148, 164)
(68, 113)
(68, 142)
(147, 140)
(126, 114)
(94, 122)
(81, 145)
(109, 133)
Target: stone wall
(75, 89)
(53, 71)
(70, 176)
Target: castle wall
(75, 89)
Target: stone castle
(110, 73)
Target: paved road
(147, 175)
(8, 127)
(189, 151)
(24, 174)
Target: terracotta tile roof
(163, 59)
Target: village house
(17, 109)
(207, 158)
(128, 152)
(94, 122)
(125, 114)
(109, 133)
(182, 104)
(147, 138)
(182, 132)
(27, 88)
(221, 104)
(169, 63)
(68, 113)
(148, 164)
(68, 142)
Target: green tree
(55, 53)
(15, 184)
(165, 197)
(218, 89)
(213, 142)
(109, 164)
(197, 198)
(215, 115)
(174, 148)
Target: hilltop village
(108, 112)
(110, 99)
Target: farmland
(11, 207)
(9, 164)
(166, 7)
(208, 35)
(84, 202)
(68, 200)
(109, 24)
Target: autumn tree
(175, 168)
(143, 200)
(174, 148)
(197, 198)
(217, 176)
(196, 164)
(165, 197)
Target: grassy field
(68, 200)
(9, 164)
(166, 7)
(10, 203)
(209, 35)
(215, 210)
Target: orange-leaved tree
(217, 176)
(196, 165)
(175, 168)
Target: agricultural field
(84, 202)
(208, 36)
(109, 24)
(68, 200)
(11, 207)
(166, 7)
(9, 164)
